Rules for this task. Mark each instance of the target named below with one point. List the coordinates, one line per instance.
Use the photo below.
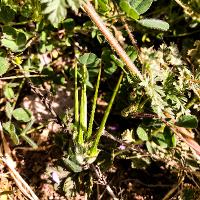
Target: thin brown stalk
(130, 35)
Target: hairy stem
(89, 9)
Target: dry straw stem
(7, 159)
(91, 12)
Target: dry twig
(7, 159)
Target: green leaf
(22, 114)
(21, 39)
(10, 44)
(109, 66)
(26, 10)
(68, 24)
(141, 6)
(103, 6)
(14, 39)
(117, 61)
(8, 110)
(72, 165)
(132, 53)
(129, 10)
(173, 140)
(10, 128)
(74, 5)
(142, 134)
(9, 32)
(56, 11)
(149, 147)
(161, 141)
(4, 65)
(7, 14)
(154, 24)
(166, 139)
(187, 121)
(8, 92)
(87, 58)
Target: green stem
(89, 132)
(83, 108)
(192, 102)
(17, 96)
(105, 117)
(29, 141)
(28, 127)
(76, 106)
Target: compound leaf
(56, 10)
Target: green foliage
(4, 65)
(8, 110)
(87, 59)
(86, 151)
(154, 24)
(107, 60)
(129, 10)
(36, 56)
(103, 5)
(22, 114)
(134, 8)
(141, 5)
(73, 165)
(7, 14)
(10, 128)
(187, 121)
(166, 93)
(56, 10)
(165, 139)
(142, 134)
(74, 5)
(8, 90)
(14, 39)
